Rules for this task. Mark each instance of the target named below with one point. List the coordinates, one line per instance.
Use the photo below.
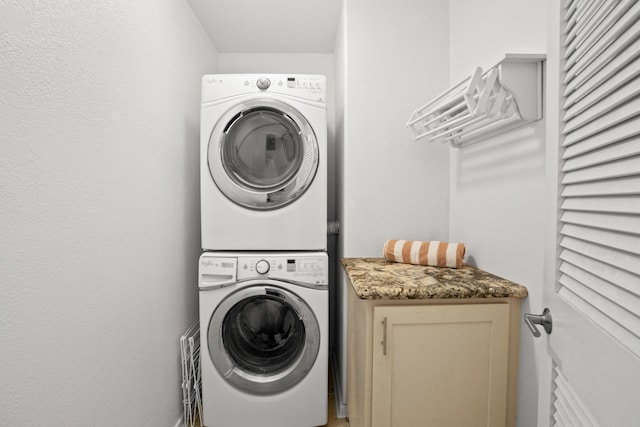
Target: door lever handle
(543, 319)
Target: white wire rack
(190, 357)
(506, 96)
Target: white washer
(264, 338)
(263, 162)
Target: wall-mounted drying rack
(506, 96)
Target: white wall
(497, 186)
(100, 208)
(393, 188)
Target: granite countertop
(376, 278)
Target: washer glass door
(263, 339)
(263, 154)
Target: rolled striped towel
(437, 254)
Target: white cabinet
(434, 363)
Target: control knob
(262, 266)
(263, 83)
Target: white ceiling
(270, 26)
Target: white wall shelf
(506, 96)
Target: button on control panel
(311, 84)
(263, 83)
(262, 266)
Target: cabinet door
(440, 366)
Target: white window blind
(600, 170)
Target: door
(591, 376)
(263, 339)
(440, 365)
(263, 154)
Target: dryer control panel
(224, 269)
(222, 86)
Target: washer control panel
(308, 269)
(223, 269)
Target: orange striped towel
(438, 254)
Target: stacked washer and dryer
(263, 276)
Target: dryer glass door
(263, 154)
(262, 149)
(263, 339)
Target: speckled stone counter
(376, 278)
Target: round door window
(263, 154)
(263, 339)
(263, 335)
(262, 150)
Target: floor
(333, 421)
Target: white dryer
(263, 162)
(264, 339)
